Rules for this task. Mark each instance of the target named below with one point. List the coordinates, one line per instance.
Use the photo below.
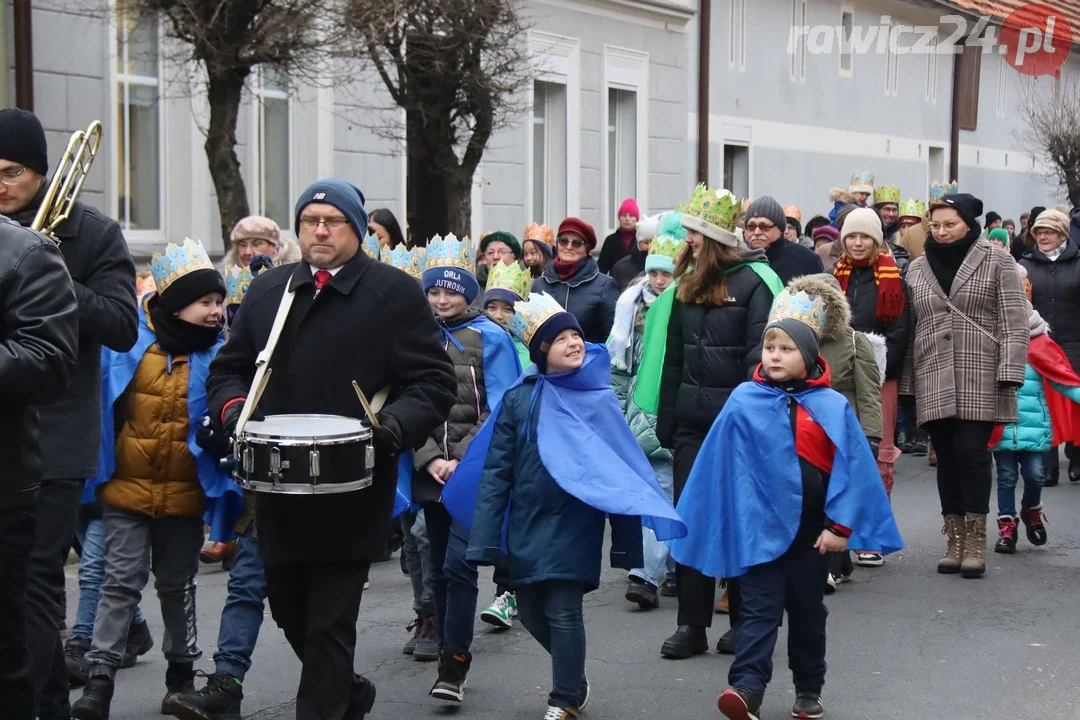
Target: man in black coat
(353, 318)
(39, 333)
(765, 224)
(100, 265)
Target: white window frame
(892, 60)
(1002, 87)
(115, 97)
(626, 69)
(737, 35)
(256, 186)
(797, 64)
(845, 43)
(558, 60)
(932, 70)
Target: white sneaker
(558, 713)
(869, 559)
(830, 584)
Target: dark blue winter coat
(590, 296)
(551, 535)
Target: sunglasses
(763, 227)
(575, 242)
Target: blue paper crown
(237, 281)
(938, 190)
(530, 315)
(863, 178)
(178, 260)
(371, 246)
(409, 260)
(807, 309)
(448, 251)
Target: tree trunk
(224, 92)
(458, 188)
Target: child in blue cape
(521, 487)
(766, 507)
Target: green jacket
(641, 423)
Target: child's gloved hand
(211, 439)
(828, 542)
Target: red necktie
(321, 278)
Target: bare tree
(1052, 131)
(455, 67)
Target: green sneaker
(502, 612)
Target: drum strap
(262, 362)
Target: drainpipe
(954, 130)
(4, 100)
(24, 56)
(704, 28)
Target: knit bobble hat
(22, 140)
(865, 221)
(630, 207)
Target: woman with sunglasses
(575, 281)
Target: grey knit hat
(768, 208)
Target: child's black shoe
(1006, 543)
(807, 705)
(1033, 524)
(739, 704)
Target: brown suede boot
(721, 605)
(954, 552)
(974, 562)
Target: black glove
(388, 437)
(259, 262)
(230, 417)
(875, 446)
(1010, 385)
(215, 441)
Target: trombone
(68, 180)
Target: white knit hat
(865, 221)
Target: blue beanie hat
(547, 333)
(452, 278)
(345, 196)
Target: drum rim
(262, 486)
(255, 437)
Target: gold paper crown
(887, 194)
(178, 260)
(371, 246)
(862, 182)
(448, 251)
(237, 281)
(665, 246)
(408, 260)
(938, 191)
(717, 212)
(513, 278)
(543, 233)
(913, 208)
(807, 309)
(793, 211)
(531, 313)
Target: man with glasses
(765, 224)
(97, 258)
(353, 319)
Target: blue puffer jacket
(1034, 432)
(590, 296)
(551, 535)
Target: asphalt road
(904, 642)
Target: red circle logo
(1036, 39)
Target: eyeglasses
(498, 252)
(11, 177)
(763, 227)
(950, 226)
(257, 244)
(331, 223)
(576, 242)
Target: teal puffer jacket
(1033, 433)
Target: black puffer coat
(589, 296)
(1055, 292)
(710, 350)
(862, 294)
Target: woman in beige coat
(969, 353)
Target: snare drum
(305, 455)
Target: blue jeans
(658, 560)
(551, 612)
(418, 561)
(91, 534)
(242, 615)
(453, 580)
(1031, 468)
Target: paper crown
(792, 211)
(669, 238)
(807, 309)
(237, 281)
(530, 315)
(938, 190)
(406, 259)
(178, 260)
(371, 246)
(862, 182)
(913, 208)
(512, 278)
(713, 213)
(448, 251)
(886, 194)
(543, 233)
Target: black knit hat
(967, 206)
(22, 140)
(187, 289)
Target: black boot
(219, 700)
(1051, 475)
(453, 667)
(78, 669)
(642, 592)
(363, 698)
(1074, 470)
(686, 642)
(179, 680)
(139, 642)
(726, 644)
(96, 698)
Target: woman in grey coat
(969, 352)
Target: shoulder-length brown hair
(703, 281)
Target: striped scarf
(890, 300)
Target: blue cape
(584, 443)
(743, 500)
(224, 499)
(502, 368)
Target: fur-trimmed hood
(837, 310)
(840, 195)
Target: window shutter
(968, 77)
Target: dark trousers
(551, 612)
(964, 469)
(453, 580)
(57, 513)
(16, 541)
(316, 607)
(696, 591)
(1052, 460)
(794, 582)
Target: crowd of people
(525, 395)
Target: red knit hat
(579, 227)
(629, 205)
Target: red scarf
(565, 270)
(890, 299)
(1049, 360)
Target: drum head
(323, 427)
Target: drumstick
(367, 406)
(249, 407)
